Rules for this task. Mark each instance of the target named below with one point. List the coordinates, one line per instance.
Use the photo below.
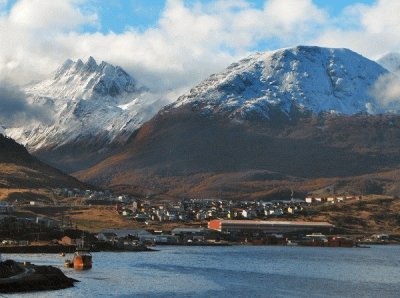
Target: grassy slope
(21, 173)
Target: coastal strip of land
(59, 249)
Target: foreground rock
(15, 277)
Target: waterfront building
(227, 226)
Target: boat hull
(82, 262)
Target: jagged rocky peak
(90, 64)
(91, 78)
(87, 99)
(305, 78)
(65, 67)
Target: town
(157, 222)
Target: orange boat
(82, 259)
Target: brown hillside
(19, 170)
(182, 151)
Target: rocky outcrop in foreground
(15, 277)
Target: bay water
(232, 271)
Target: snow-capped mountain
(91, 106)
(78, 80)
(391, 61)
(304, 78)
(84, 100)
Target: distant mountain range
(302, 117)
(269, 122)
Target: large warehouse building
(226, 226)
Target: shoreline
(59, 249)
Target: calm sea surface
(236, 271)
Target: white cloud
(371, 30)
(387, 91)
(189, 42)
(382, 18)
(48, 15)
(15, 110)
(29, 32)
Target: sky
(171, 45)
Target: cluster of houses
(204, 210)
(77, 192)
(338, 199)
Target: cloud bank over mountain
(387, 90)
(15, 110)
(189, 40)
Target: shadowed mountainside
(182, 151)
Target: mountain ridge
(304, 78)
(264, 93)
(228, 125)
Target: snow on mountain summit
(304, 78)
(86, 100)
(78, 80)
